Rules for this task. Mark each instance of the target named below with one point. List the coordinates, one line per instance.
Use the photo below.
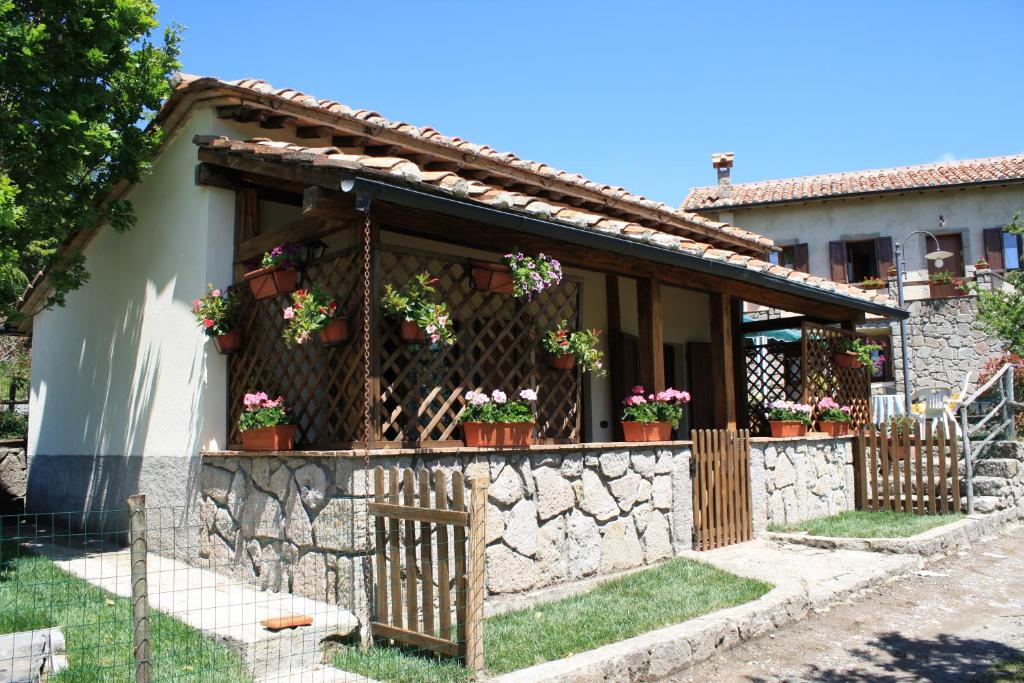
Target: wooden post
(722, 361)
(1008, 411)
(614, 361)
(247, 222)
(140, 591)
(652, 344)
(740, 366)
(475, 583)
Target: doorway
(954, 244)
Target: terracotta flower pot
(498, 435)
(943, 291)
(411, 332)
(334, 332)
(492, 277)
(785, 429)
(273, 280)
(646, 431)
(834, 429)
(276, 438)
(229, 342)
(848, 359)
(565, 362)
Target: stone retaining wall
(13, 481)
(998, 477)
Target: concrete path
(221, 607)
(948, 621)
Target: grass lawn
(866, 524)
(668, 594)
(97, 627)
(1007, 672)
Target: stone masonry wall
(13, 481)
(998, 477)
(946, 342)
(798, 479)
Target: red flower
(433, 280)
(208, 323)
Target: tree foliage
(78, 82)
(1002, 311)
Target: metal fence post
(968, 465)
(140, 590)
(1009, 410)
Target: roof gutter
(368, 189)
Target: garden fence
(720, 470)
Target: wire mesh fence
(139, 594)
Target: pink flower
(434, 338)
(289, 313)
(215, 292)
(254, 400)
(303, 337)
(431, 329)
(195, 305)
(638, 389)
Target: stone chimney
(722, 161)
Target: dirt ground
(948, 622)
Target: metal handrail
(1005, 408)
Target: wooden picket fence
(441, 535)
(905, 471)
(720, 471)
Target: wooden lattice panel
(423, 389)
(773, 373)
(822, 377)
(321, 386)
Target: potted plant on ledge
(872, 283)
(941, 285)
(312, 311)
(654, 416)
(788, 419)
(265, 424)
(498, 421)
(856, 353)
(217, 313)
(565, 349)
(833, 419)
(517, 274)
(421, 317)
(277, 273)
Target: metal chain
(367, 406)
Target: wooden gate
(412, 540)
(720, 471)
(899, 470)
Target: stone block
(583, 540)
(661, 494)
(508, 571)
(614, 464)
(1006, 468)
(595, 499)
(521, 528)
(552, 558)
(657, 539)
(216, 483)
(495, 527)
(620, 546)
(644, 463)
(555, 494)
(312, 486)
(507, 489)
(626, 490)
(341, 526)
(572, 465)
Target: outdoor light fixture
(937, 257)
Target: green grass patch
(1006, 672)
(97, 628)
(867, 524)
(622, 608)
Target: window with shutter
(792, 256)
(883, 252)
(996, 252)
(837, 261)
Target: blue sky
(640, 93)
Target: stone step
(990, 486)
(998, 450)
(985, 504)
(997, 467)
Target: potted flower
(941, 285)
(856, 353)
(872, 283)
(421, 317)
(498, 421)
(217, 313)
(265, 424)
(517, 274)
(565, 348)
(981, 263)
(312, 311)
(833, 419)
(788, 419)
(892, 271)
(961, 286)
(277, 273)
(654, 416)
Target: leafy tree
(78, 81)
(1002, 311)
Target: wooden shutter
(993, 238)
(800, 259)
(883, 253)
(837, 261)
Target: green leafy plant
(414, 303)
(13, 425)
(309, 313)
(864, 349)
(216, 311)
(76, 81)
(262, 411)
(788, 411)
(532, 274)
(286, 255)
(1001, 311)
(872, 283)
(941, 277)
(901, 424)
(580, 343)
(664, 406)
(830, 411)
(497, 407)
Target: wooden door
(702, 406)
(953, 243)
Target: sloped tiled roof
(401, 170)
(923, 177)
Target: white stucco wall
(123, 369)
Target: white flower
(528, 395)
(498, 396)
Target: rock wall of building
(13, 479)
(998, 477)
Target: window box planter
(943, 291)
(492, 277)
(411, 332)
(498, 434)
(334, 333)
(229, 342)
(834, 429)
(273, 280)
(276, 438)
(787, 429)
(646, 431)
(848, 359)
(564, 362)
